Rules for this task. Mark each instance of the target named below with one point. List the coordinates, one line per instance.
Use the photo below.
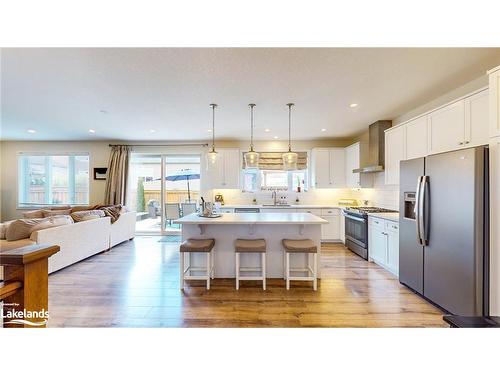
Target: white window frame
(290, 183)
(22, 206)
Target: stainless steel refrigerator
(443, 229)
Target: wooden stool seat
(250, 246)
(197, 246)
(300, 246)
(193, 245)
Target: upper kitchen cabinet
(447, 128)
(395, 151)
(494, 101)
(353, 155)
(476, 119)
(417, 138)
(225, 172)
(328, 168)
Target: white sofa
(80, 240)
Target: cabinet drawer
(391, 226)
(314, 211)
(377, 223)
(330, 212)
(227, 210)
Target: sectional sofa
(79, 240)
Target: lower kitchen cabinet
(383, 243)
(331, 231)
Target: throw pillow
(3, 229)
(53, 221)
(37, 214)
(22, 228)
(49, 213)
(77, 216)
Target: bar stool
(250, 246)
(300, 247)
(197, 246)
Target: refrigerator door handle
(423, 199)
(417, 210)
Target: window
(293, 181)
(53, 179)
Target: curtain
(116, 180)
(274, 161)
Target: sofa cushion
(36, 214)
(54, 221)
(49, 213)
(78, 216)
(81, 208)
(9, 245)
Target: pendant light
(290, 158)
(212, 155)
(251, 157)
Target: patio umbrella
(184, 175)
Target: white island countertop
(254, 219)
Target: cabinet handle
(467, 142)
(460, 143)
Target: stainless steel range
(356, 228)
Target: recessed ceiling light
(267, 130)
(209, 130)
(31, 131)
(152, 131)
(91, 131)
(353, 105)
(323, 130)
(275, 137)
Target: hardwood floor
(136, 285)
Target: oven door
(356, 235)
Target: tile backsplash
(381, 195)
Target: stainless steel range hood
(376, 149)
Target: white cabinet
(225, 172)
(495, 226)
(330, 231)
(353, 161)
(395, 151)
(342, 228)
(417, 138)
(447, 128)
(328, 168)
(476, 119)
(383, 243)
(494, 101)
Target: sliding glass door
(162, 188)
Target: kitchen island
(273, 227)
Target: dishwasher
(247, 210)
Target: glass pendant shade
(212, 156)
(290, 158)
(252, 160)
(251, 157)
(290, 161)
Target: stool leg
(237, 271)
(181, 271)
(208, 270)
(212, 269)
(284, 265)
(263, 271)
(287, 271)
(315, 274)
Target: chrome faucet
(274, 195)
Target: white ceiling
(60, 93)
